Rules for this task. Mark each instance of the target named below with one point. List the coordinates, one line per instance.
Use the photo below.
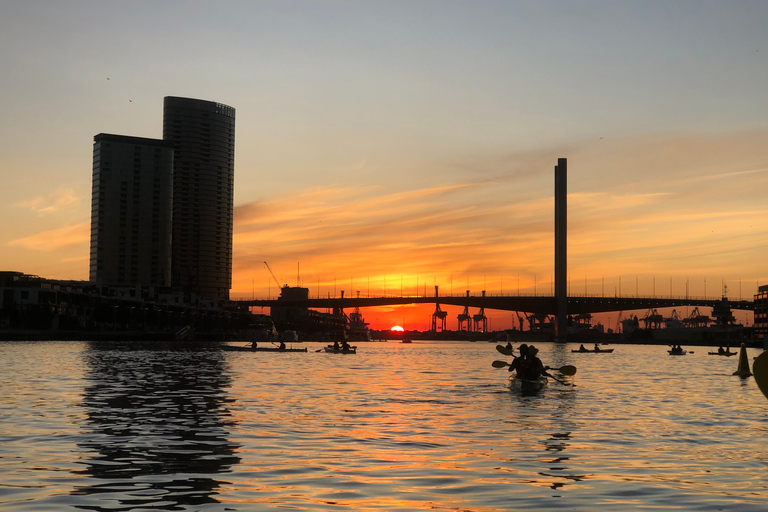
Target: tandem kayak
(598, 351)
(726, 354)
(331, 350)
(677, 352)
(234, 348)
(527, 386)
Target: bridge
(561, 306)
(543, 305)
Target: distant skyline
(413, 141)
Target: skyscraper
(131, 202)
(202, 134)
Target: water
(108, 427)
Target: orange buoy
(743, 369)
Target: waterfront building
(131, 211)
(761, 312)
(202, 134)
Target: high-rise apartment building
(203, 137)
(131, 211)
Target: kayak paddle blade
(760, 371)
(499, 364)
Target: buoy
(743, 370)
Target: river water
(425, 426)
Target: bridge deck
(529, 304)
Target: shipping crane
(279, 286)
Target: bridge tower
(439, 314)
(464, 317)
(480, 320)
(561, 248)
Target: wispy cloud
(678, 205)
(56, 201)
(55, 239)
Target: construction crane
(279, 286)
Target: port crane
(279, 286)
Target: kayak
(598, 351)
(234, 348)
(677, 352)
(527, 386)
(331, 350)
(726, 354)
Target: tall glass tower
(131, 209)
(202, 134)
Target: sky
(391, 146)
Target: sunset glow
(385, 169)
(397, 328)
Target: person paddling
(518, 362)
(533, 367)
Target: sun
(397, 328)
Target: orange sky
(385, 143)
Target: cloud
(56, 201)
(55, 239)
(654, 205)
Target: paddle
(504, 350)
(565, 370)
(760, 372)
(558, 380)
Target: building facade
(202, 134)
(761, 312)
(131, 211)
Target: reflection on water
(396, 427)
(157, 426)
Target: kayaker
(344, 346)
(721, 350)
(336, 347)
(282, 346)
(597, 347)
(533, 367)
(582, 348)
(518, 362)
(510, 348)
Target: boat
(526, 385)
(331, 350)
(407, 341)
(677, 352)
(593, 351)
(237, 348)
(726, 354)
(357, 327)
